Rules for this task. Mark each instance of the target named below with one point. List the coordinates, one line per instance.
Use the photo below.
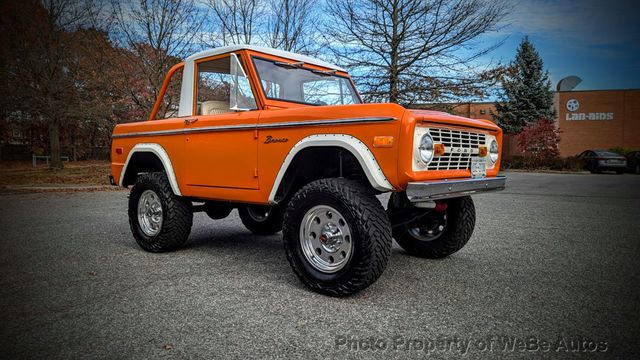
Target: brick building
(592, 119)
(599, 119)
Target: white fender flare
(159, 151)
(356, 147)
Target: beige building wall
(598, 120)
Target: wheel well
(319, 162)
(141, 162)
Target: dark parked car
(601, 160)
(633, 162)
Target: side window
(222, 87)
(169, 106)
(242, 98)
(213, 87)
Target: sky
(597, 40)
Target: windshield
(291, 82)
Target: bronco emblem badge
(271, 139)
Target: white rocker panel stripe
(365, 157)
(159, 151)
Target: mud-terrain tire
(176, 217)
(352, 223)
(459, 220)
(261, 220)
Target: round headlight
(493, 151)
(426, 148)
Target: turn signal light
(482, 151)
(119, 150)
(383, 141)
(438, 149)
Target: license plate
(478, 168)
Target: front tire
(337, 236)
(160, 221)
(435, 233)
(261, 219)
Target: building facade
(599, 119)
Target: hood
(448, 119)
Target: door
(221, 144)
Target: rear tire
(436, 234)
(337, 236)
(160, 221)
(261, 220)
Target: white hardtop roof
(265, 50)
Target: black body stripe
(255, 126)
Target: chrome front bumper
(444, 189)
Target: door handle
(190, 121)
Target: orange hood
(445, 118)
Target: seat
(214, 107)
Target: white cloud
(592, 22)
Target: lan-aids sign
(573, 105)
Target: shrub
(538, 143)
(620, 150)
(513, 162)
(573, 163)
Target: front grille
(454, 140)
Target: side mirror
(241, 97)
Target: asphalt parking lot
(554, 258)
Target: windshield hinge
(294, 65)
(325, 72)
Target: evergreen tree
(526, 95)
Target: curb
(542, 171)
(26, 189)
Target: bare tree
(39, 68)
(410, 51)
(291, 24)
(156, 33)
(234, 21)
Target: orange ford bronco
(287, 140)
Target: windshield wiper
(325, 72)
(295, 65)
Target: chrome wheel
(430, 231)
(325, 238)
(150, 213)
